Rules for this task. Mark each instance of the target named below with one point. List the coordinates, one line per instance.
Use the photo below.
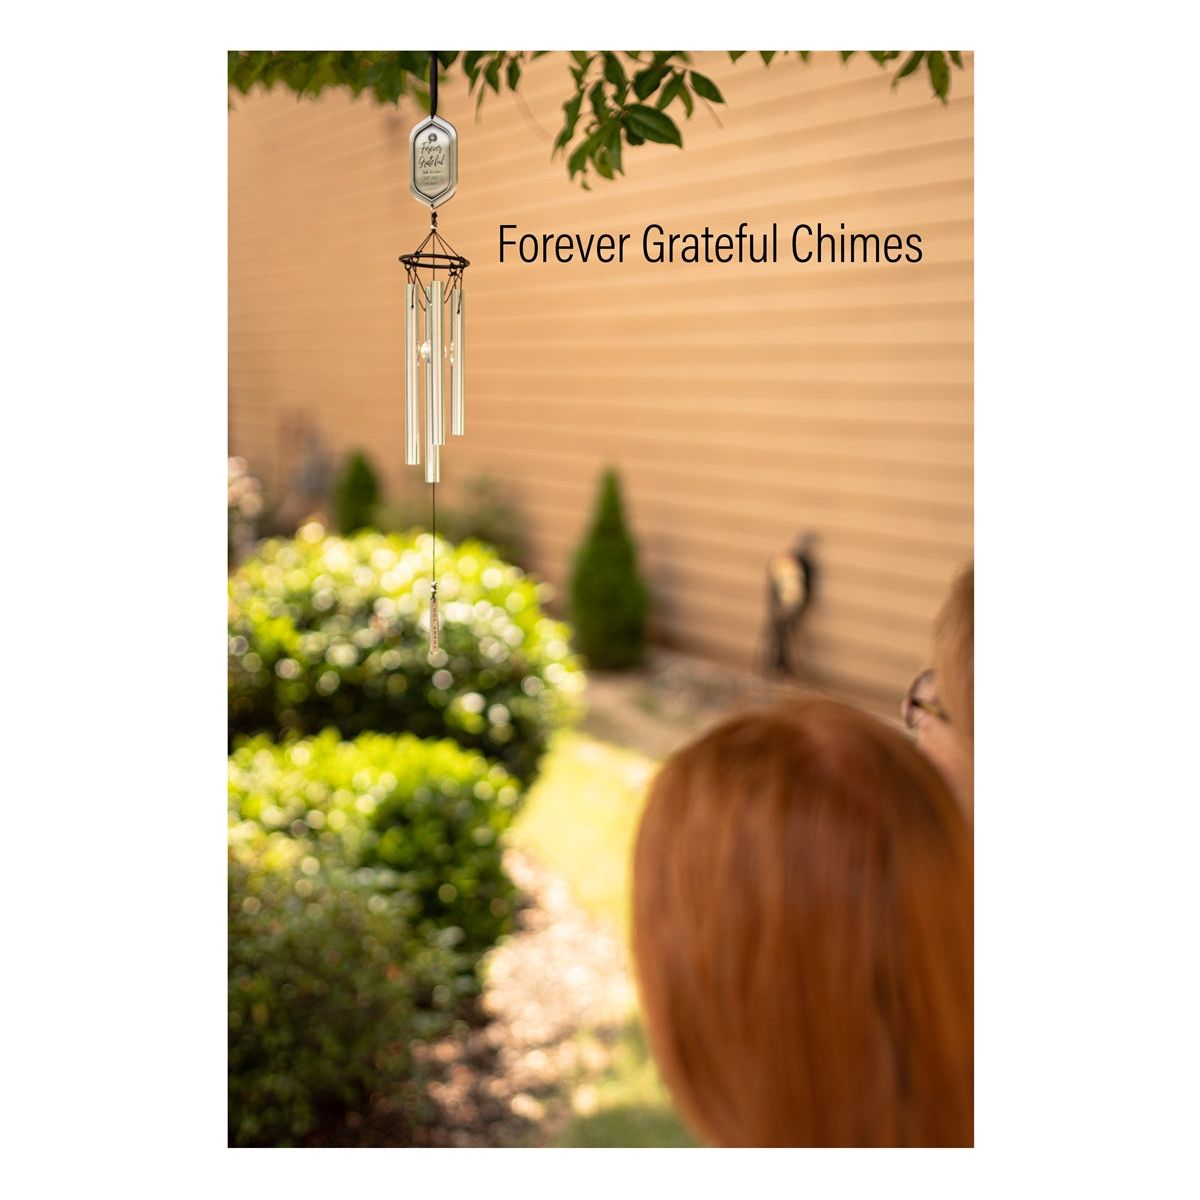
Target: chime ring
(431, 261)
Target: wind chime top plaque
(433, 161)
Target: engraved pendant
(433, 161)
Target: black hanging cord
(433, 105)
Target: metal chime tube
(457, 409)
(433, 383)
(412, 422)
(433, 325)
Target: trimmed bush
(325, 974)
(608, 599)
(355, 494)
(329, 631)
(431, 812)
(365, 882)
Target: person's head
(940, 705)
(802, 920)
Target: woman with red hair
(803, 935)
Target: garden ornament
(430, 297)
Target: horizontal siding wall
(741, 403)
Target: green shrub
(355, 494)
(365, 883)
(431, 812)
(325, 978)
(608, 598)
(327, 631)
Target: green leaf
(884, 56)
(955, 57)
(613, 145)
(847, 55)
(598, 102)
(470, 64)
(652, 125)
(571, 112)
(493, 72)
(689, 104)
(939, 73)
(911, 64)
(582, 59)
(804, 55)
(734, 55)
(674, 87)
(514, 74)
(644, 82)
(580, 155)
(767, 55)
(703, 86)
(613, 71)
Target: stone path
(675, 697)
(517, 1080)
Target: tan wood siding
(741, 403)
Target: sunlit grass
(581, 817)
(580, 820)
(628, 1105)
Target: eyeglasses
(921, 699)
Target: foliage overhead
(329, 631)
(617, 98)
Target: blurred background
(689, 485)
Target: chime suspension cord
(434, 615)
(433, 486)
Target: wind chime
(433, 298)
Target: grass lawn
(580, 820)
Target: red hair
(802, 922)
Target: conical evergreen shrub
(355, 495)
(608, 599)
